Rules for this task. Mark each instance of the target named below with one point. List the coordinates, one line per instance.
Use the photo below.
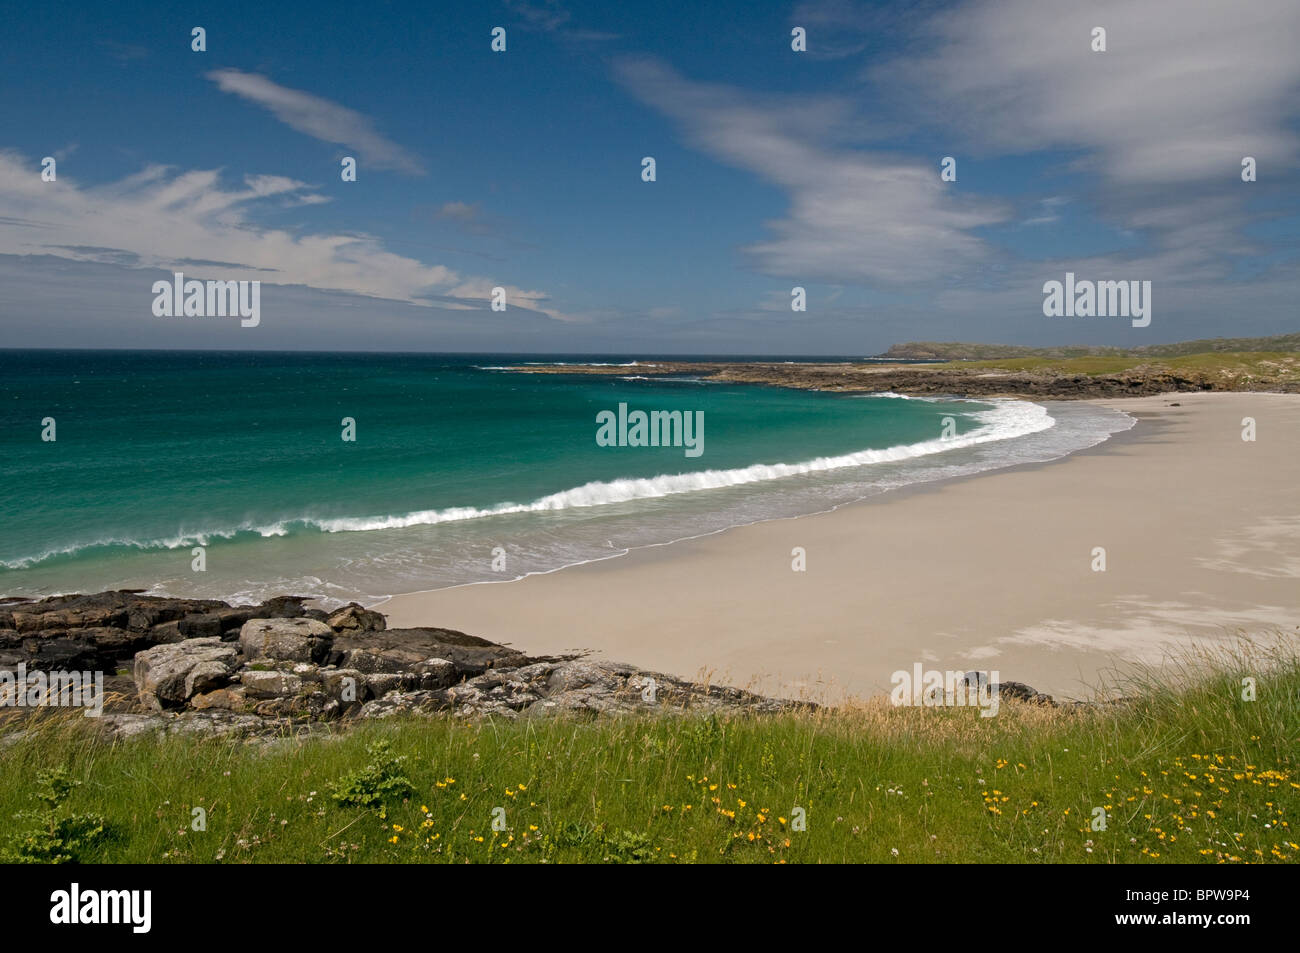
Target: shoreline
(892, 493)
(736, 637)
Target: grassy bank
(1189, 774)
(971, 351)
(1237, 369)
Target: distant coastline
(1069, 379)
(1270, 365)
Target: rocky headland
(1047, 379)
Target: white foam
(1005, 420)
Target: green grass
(1092, 366)
(1188, 774)
(1265, 365)
(958, 350)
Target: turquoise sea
(461, 470)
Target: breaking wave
(1003, 420)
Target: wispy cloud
(468, 217)
(546, 15)
(550, 16)
(1158, 124)
(1184, 90)
(1049, 211)
(164, 218)
(459, 211)
(124, 53)
(836, 28)
(854, 216)
(319, 118)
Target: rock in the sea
(295, 640)
(166, 676)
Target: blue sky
(522, 170)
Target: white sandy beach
(1201, 531)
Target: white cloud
(1048, 211)
(545, 15)
(837, 28)
(319, 118)
(159, 217)
(854, 216)
(1158, 123)
(1183, 91)
(459, 211)
(550, 16)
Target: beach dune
(1001, 571)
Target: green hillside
(959, 351)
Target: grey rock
(581, 673)
(1022, 692)
(398, 703)
(269, 684)
(381, 683)
(206, 676)
(436, 673)
(371, 663)
(295, 640)
(206, 667)
(211, 723)
(356, 618)
(308, 706)
(230, 698)
(162, 673)
(341, 682)
(400, 650)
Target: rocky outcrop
(205, 667)
(956, 380)
(1017, 690)
(100, 631)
